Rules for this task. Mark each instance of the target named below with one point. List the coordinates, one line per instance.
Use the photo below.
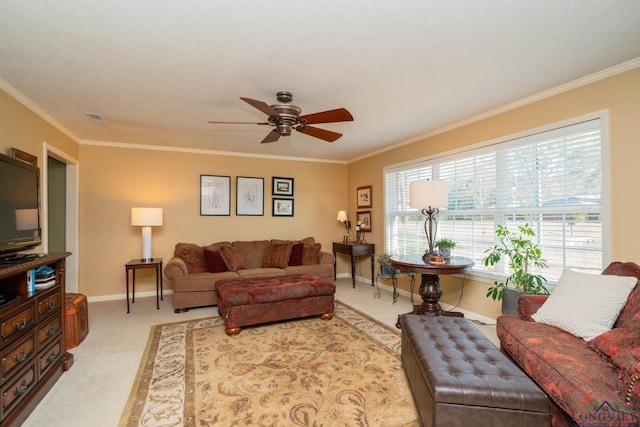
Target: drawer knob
(19, 359)
(52, 304)
(20, 325)
(52, 330)
(20, 391)
(52, 357)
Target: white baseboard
(124, 296)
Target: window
(551, 180)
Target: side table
(137, 264)
(354, 249)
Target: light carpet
(307, 372)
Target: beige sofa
(194, 283)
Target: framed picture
(282, 207)
(281, 186)
(364, 219)
(364, 197)
(249, 196)
(215, 195)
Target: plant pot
(510, 301)
(445, 252)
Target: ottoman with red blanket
(254, 300)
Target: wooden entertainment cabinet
(32, 352)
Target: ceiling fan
(285, 117)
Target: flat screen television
(19, 206)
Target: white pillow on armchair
(585, 305)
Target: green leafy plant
(522, 254)
(445, 243)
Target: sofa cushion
(214, 261)
(621, 346)
(632, 306)
(296, 254)
(310, 253)
(253, 251)
(193, 256)
(570, 373)
(585, 305)
(277, 255)
(233, 258)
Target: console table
(430, 289)
(137, 264)
(31, 336)
(354, 249)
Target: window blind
(551, 180)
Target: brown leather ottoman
(459, 378)
(251, 301)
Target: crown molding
(583, 81)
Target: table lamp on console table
(146, 218)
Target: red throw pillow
(310, 254)
(233, 258)
(193, 256)
(296, 254)
(277, 255)
(215, 263)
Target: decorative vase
(445, 252)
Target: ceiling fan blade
(330, 116)
(236, 123)
(262, 106)
(327, 135)
(272, 136)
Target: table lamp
(147, 218)
(344, 218)
(429, 196)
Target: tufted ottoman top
(262, 290)
(461, 366)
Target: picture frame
(364, 218)
(363, 196)
(281, 186)
(282, 207)
(215, 195)
(249, 196)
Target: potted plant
(522, 254)
(385, 262)
(444, 247)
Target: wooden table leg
(127, 272)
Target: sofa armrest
(326, 258)
(176, 267)
(528, 304)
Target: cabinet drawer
(16, 322)
(48, 331)
(14, 391)
(48, 357)
(16, 356)
(48, 303)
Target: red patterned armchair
(589, 383)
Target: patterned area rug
(307, 372)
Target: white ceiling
(158, 70)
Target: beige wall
(112, 180)
(23, 129)
(115, 179)
(619, 94)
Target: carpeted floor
(308, 372)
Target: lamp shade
(146, 216)
(428, 194)
(342, 216)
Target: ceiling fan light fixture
(285, 117)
